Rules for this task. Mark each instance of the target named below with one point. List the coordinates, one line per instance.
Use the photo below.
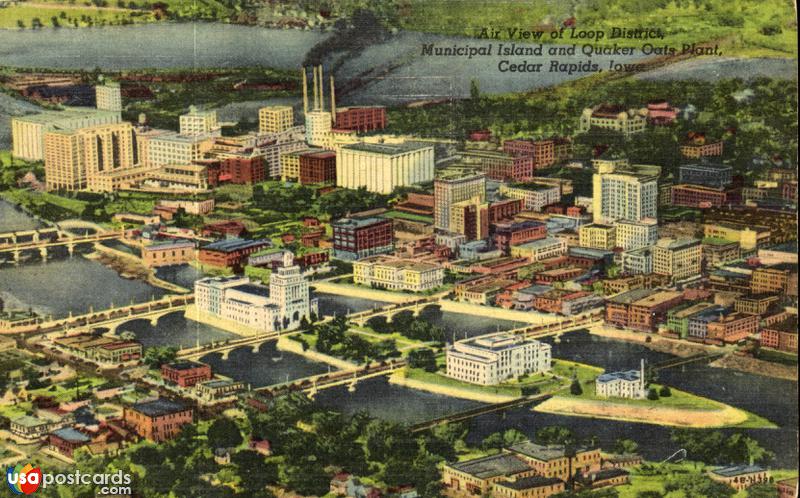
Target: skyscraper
(625, 192)
(453, 188)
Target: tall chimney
(321, 90)
(316, 94)
(305, 91)
(333, 102)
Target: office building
(290, 162)
(699, 196)
(356, 238)
(275, 119)
(492, 360)
(471, 218)
(625, 192)
(174, 148)
(27, 132)
(504, 167)
(597, 236)
(679, 259)
(535, 196)
(538, 250)
(632, 234)
(383, 167)
(396, 274)
(748, 236)
(453, 188)
(709, 174)
(512, 234)
(108, 96)
(185, 373)
(318, 167)
(197, 122)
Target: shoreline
(290, 346)
(400, 379)
(725, 417)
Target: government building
(629, 384)
(491, 360)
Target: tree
(763, 490)
(254, 472)
(697, 486)
(554, 434)
(625, 446)
(20, 24)
(423, 358)
(664, 392)
(474, 90)
(156, 356)
(652, 394)
(650, 494)
(575, 388)
(224, 433)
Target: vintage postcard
(398, 248)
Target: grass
(441, 380)
(407, 216)
(10, 16)
(775, 356)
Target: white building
(453, 188)
(282, 306)
(397, 274)
(628, 384)
(318, 129)
(629, 192)
(615, 118)
(678, 258)
(108, 97)
(636, 234)
(534, 196)
(275, 119)
(637, 261)
(492, 360)
(173, 148)
(383, 167)
(198, 122)
(273, 145)
(27, 132)
(537, 250)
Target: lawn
(10, 16)
(407, 216)
(439, 379)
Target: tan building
(528, 487)
(73, 157)
(749, 237)
(755, 304)
(275, 119)
(677, 258)
(170, 253)
(197, 122)
(475, 477)
(470, 218)
(733, 327)
(778, 279)
(615, 118)
(597, 236)
(740, 477)
(173, 148)
(27, 132)
(397, 274)
(290, 163)
(552, 461)
(108, 96)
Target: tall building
(636, 234)
(281, 307)
(318, 121)
(108, 96)
(677, 258)
(174, 148)
(197, 122)
(318, 129)
(275, 119)
(450, 189)
(74, 158)
(318, 167)
(356, 238)
(491, 360)
(625, 192)
(383, 167)
(27, 132)
(471, 218)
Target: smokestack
(305, 91)
(321, 90)
(316, 95)
(333, 102)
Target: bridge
(226, 347)
(315, 383)
(390, 310)
(481, 410)
(557, 327)
(680, 361)
(114, 317)
(29, 235)
(43, 244)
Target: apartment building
(631, 234)
(622, 191)
(597, 236)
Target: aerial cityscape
(399, 249)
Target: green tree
(254, 472)
(763, 490)
(625, 446)
(665, 392)
(652, 394)
(474, 90)
(554, 434)
(575, 388)
(422, 358)
(224, 433)
(156, 356)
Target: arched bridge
(390, 310)
(313, 384)
(42, 240)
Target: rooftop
(231, 245)
(159, 407)
(535, 244)
(358, 222)
(631, 296)
(503, 464)
(387, 149)
(657, 298)
(73, 435)
(737, 470)
(186, 365)
(627, 375)
(541, 452)
(707, 166)
(675, 244)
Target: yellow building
(173, 148)
(290, 163)
(471, 218)
(74, 157)
(397, 274)
(27, 132)
(539, 250)
(475, 477)
(553, 461)
(275, 119)
(748, 237)
(197, 122)
(597, 236)
(677, 258)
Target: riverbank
(192, 313)
(401, 379)
(756, 366)
(129, 266)
(646, 412)
(290, 346)
(349, 290)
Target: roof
(631, 296)
(169, 245)
(73, 435)
(737, 470)
(530, 482)
(707, 166)
(657, 298)
(231, 245)
(627, 375)
(503, 464)
(159, 407)
(546, 242)
(541, 452)
(675, 244)
(387, 149)
(186, 365)
(29, 421)
(359, 222)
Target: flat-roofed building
(169, 253)
(158, 420)
(526, 487)
(557, 460)
(275, 119)
(27, 132)
(356, 238)
(475, 477)
(756, 304)
(781, 335)
(290, 162)
(174, 148)
(185, 373)
(230, 253)
(597, 236)
(780, 278)
(504, 167)
(197, 122)
(397, 274)
(678, 317)
(631, 234)
(679, 259)
(491, 360)
(622, 191)
(740, 477)
(709, 174)
(318, 167)
(535, 196)
(538, 250)
(717, 252)
(509, 234)
(623, 384)
(360, 118)
(733, 327)
(748, 236)
(637, 261)
(383, 167)
(453, 187)
(108, 96)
